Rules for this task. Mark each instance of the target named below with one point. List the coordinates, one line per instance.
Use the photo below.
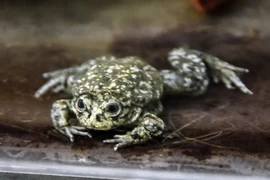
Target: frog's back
(130, 79)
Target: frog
(109, 93)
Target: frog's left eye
(113, 109)
(80, 105)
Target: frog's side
(109, 93)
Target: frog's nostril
(98, 119)
(89, 115)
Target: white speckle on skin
(186, 67)
(197, 69)
(194, 58)
(144, 92)
(175, 63)
(109, 70)
(133, 76)
(128, 94)
(113, 84)
(187, 82)
(117, 67)
(205, 83)
(93, 67)
(203, 70)
(96, 87)
(92, 63)
(134, 69)
(176, 54)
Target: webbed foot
(226, 73)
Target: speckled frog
(112, 93)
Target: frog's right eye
(80, 105)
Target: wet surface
(222, 131)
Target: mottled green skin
(129, 81)
(111, 92)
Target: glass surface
(221, 135)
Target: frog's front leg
(149, 127)
(61, 114)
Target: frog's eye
(113, 109)
(80, 105)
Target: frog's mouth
(101, 126)
(97, 123)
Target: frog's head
(107, 114)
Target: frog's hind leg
(188, 77)
(62, 80)
(193, 70)
(57, 84)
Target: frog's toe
(76, 130)
(227, 83)
(237, 69)
(230, 78)
(58, 88)
(120, 145)
(52, 74)
(69, 134)
(112, 141)
(120, 141)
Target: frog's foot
(55, 84)
(128, 139)
(150, 126)
(70, 131)
(120, 141)
(139, 135)
(226, 73)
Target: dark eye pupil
(80, 104)
(113, 108)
